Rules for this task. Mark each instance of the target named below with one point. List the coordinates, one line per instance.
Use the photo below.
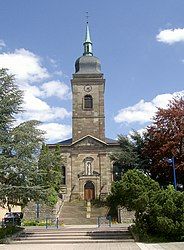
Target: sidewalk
(97, 246)
(84, 246)
(162, 246)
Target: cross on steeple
(87, 16)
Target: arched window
(87, 48)
(88, 102)
(88, 165)
(63, 169)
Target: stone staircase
(73, 235)
(74, 213)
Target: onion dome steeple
(87, 63)
(87, 43)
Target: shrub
(33, 223)
(158, 212)
(8, 231)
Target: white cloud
(140, 112)
(29, 74)
(38, 109)
(25, 65)
(31, 90)
(28, 69)
(2, 44)
(143, 111)
(50, 114)
(55, 88)
(171, 36)
(32, 103)
(56, 132)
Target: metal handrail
(107, 220)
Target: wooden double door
(89, 191)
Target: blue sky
(140, 44)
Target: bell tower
(88, 167)
(88, 87)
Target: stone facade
(88, 169)
(87, 161)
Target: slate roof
(65, 142)
(69, 141)
(110, 141)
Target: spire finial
(87, 17)
(87, 43)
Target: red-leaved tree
(165, 139)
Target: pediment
(89, 142)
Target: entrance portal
(89, 191)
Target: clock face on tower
(87, 88)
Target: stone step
(67, 229)
(75, 213)
(77, 235)
(70, 241)
(73, 235)
(78, 221)
(84, 237)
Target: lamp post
(171, 161)
(37, 211)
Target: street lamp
(171, 161)
(37, 211)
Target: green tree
(130, 155)
(165, 214)
(18, 165)
(10, 104)
(132, 191)
(125, 158)
(158, 211)
(50, 172)
(142, 161)
(20, 180)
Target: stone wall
(45, 211)
(125, 216)
(88, 121)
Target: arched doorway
(89, 191)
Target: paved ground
(97, 246)
(162, 246)
(84, 246)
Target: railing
(104, 221)
(51, 222)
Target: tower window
(87, 48)
(88, 102)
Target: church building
(88, 170)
